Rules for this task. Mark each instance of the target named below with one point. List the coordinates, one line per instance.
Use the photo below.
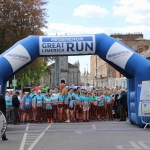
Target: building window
(116, 83)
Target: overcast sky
(97, 16)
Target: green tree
(31, 75)
(19, 19)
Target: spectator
(15, 107)
(123, 105)
(8, 100)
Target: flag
(84, 71)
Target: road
(106, 135)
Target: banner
(145, 91)
(119, 55)
(17, 57)
(143, 96)
(139, 85)
(145, 108)
(67, 45)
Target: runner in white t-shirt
(54, 97)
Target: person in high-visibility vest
(45, 88)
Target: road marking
(93, 126)
(24, 139)
(40, 136)
(31, 137)
(132, 145)
(78, 132)
(135, 145)
(142, 144)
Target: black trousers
(15, 114)
(4, 136)
(123, 113)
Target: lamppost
(96, 71)
(29, 80)
(84, 78)
(57, 71)
(87, 74)
(110, 77)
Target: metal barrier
(145, 112)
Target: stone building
(70, 72)
(102, 74)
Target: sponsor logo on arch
(67, 45)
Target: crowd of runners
(67, 105)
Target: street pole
(87, 74)
(96, 71)
(57, 71)
(110, 77)
(29, 81)
(14, 80)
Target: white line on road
(132, 145)
(40, 136)
(93, 127)
(78, 132)
(31, 137)
(24, 139)
(142, 144)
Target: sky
(73, 17)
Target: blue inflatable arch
(122, 58)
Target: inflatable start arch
(129, 63)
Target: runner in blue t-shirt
(75, 96)
(109, 105)
(86, 107)
(60, 105)
(38, 103)
(27, 107)
(101, 107)
(48, 108)
(66, 105)
(72, 108)
(32, 93)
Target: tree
(31, 75)
(19, 19)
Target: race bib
(71, 105)
(27, 103)
(65, 102)
(109, 101)
(60, 102)
(85, 103)
(55, 97)
(39, 102)
(48, 106)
